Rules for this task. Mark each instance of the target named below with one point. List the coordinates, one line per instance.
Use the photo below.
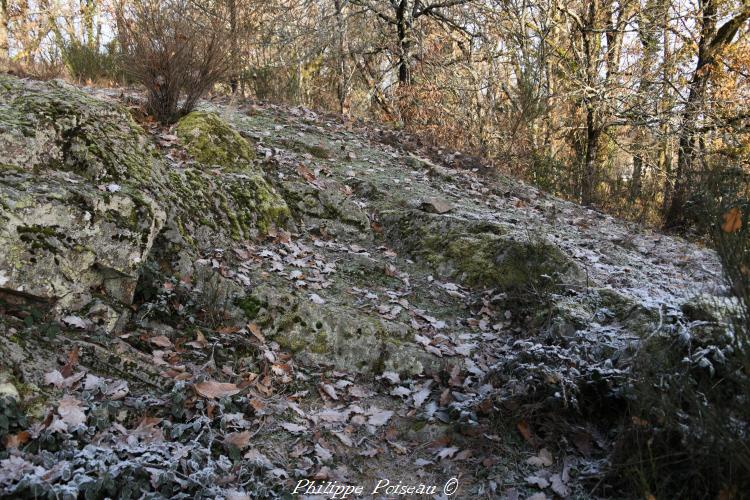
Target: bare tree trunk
(636, 179)
(665, 154)
(4, 45)
(403, 28)
(233, 75)
(590, 164)
(342, 66)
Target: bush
(89, 64)
(178, 49)
(688, 433)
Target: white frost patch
(3, 279)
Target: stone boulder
(74, 217)
(85, 194)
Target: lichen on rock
(76, 208)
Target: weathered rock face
(340, 335)
(84, 193)
(61, 237)
(74, 214)
(54, 126)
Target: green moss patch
(211, 141)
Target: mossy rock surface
(338, 334)
(84, 192)
(480, 253)
(211, 141)
(54, 126)
(77, 193)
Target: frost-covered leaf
(543, 459)
(379, 417)
(444, 453)
(344, 438)
(259, 458)
(117, 390)
(92, 382)
(293, 428)
(537, 481)
(400, 391)
(317, 299)
(329, 391)
(76, 322)
(421, 396)
(54, 378)
(558, 486)
(71, 412)
(323, 453)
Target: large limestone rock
(338, 334)
(84, 194)
(61, 238)
(73, 215)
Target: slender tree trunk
(88, 11)
(637, 178)
(590, 162)
(403, 28)
(4, 45)
(591, 47)
(665, 153)
(342, 89)
(234, 56)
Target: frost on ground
(323, 302)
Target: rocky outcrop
(264, 266)
(84, 193)
(75, 215)
(480, 253)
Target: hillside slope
(267, 283)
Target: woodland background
(631, 106)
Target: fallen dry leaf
(211, 389)
(323, 453)
(379, 417)
(446, 452)
(732, 221)
(161, 341)
(293, 428)
(239, 440)
(16, 440)
(329, 391)
(525, 430)
(255, 330)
